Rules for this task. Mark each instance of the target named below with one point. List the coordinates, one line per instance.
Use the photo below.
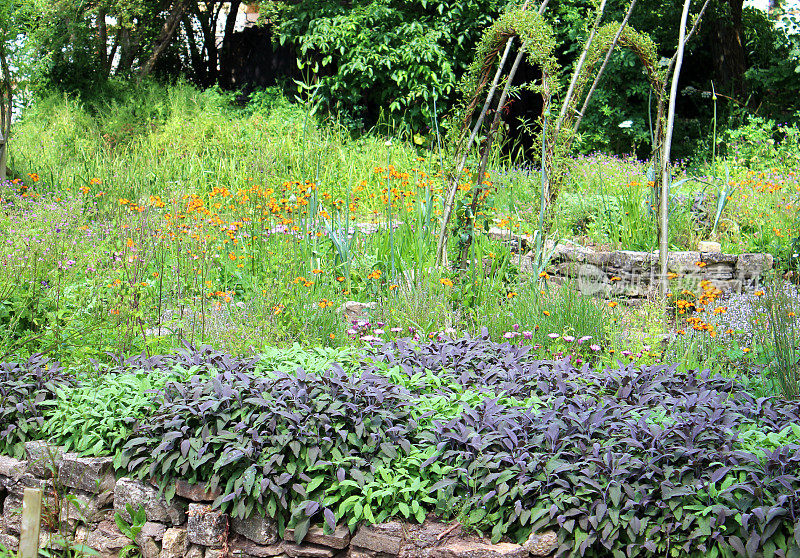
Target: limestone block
(137, 493)
(206, 526)
(92, 474)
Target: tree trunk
(225, 73)
(165, 37)
(6, 108)
(102, 30)
(196, 57)
(727, 49)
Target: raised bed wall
(626, 273)
(81, 499)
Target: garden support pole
(6, 108)
(663, 210)
(29, 526)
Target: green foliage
(777, 309)
(92, 419)
(131, 529)
(381, 55)
(25, 389)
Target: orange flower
(129, 243)
(613, 304)
(392, 287)
(546, 313)
(700, 264)
(446, 282)
(340, 279)
(316, 271)
(759, 293)
(511, 294)
(232, 257)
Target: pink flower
(569, 338)
(553, 335)
(595, 347)
(527, 334)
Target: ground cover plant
(626, 460)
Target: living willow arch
(538, 39)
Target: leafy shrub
(24, 389)
(274, 444)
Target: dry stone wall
(81, 496)
(632, 274)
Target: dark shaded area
(523, 114)
(253, 61)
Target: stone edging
(633, 274)
(188, 527)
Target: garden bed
(625, 460)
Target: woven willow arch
(538, 37)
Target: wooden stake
(663, 210)
(31, 519)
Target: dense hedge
(625, 461)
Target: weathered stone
(382, 537)
(154, 530)
(12, 510)
(92, 474)
(709, 246)
(242, 547)
(592, 280)
(43, 458)
(732, 285)
(541, 544)
(214, 553)
(84, 507)
(627, 260)
(571, 252)
(148, 546)
(718, 258)
(751, 266)
(107, 539)
(353, 310)
(195, 551)
(460, 548)
(720, 272)
(136, 493)
(339, 539)
(9, 541)
(195, 492)
(259, 529)
(600, 259)
(207, 526)
(568, 269)
(12, 468)
(307, 550)
(175, 543)
(28, 480)
(683, 262)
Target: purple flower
(584, 338)
(595, 347)
(569, 338)
(527, 334)
(553, 335)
